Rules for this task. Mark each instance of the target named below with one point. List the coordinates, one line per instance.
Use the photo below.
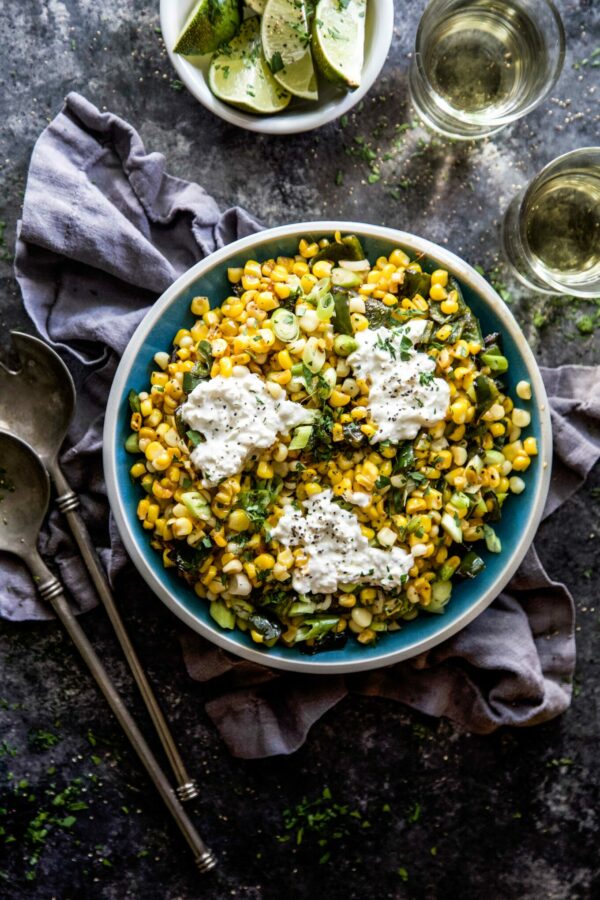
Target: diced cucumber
(441, 592)
(222, 615)
(492, 541)
(196, 505)
(301, 437)
(132, 443)
(345, 279)
(452, 527)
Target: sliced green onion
(325, 307)
(301, 437)
(460, 501)
(319, 290)
(222, 615)
(312, 356)
(196, 505)
(448, 570)
(452, 527)
(440, 594)
(471, 565)
(132, 443)
(345, 279)
(285, 325)
(496, 362)
(492, 541)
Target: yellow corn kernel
(153, 513)
(264, 561)
(497, 429)
(458, 410)
(137, 470)
(199, 306)
(359, 412)
(153, 450)
(266, 301)
(443, 333)
(530, 446)
(416, 504)
(233, 307)
(399, 258)
(512, 450)
(225, 367)
(337, 432)
(308, 250)
(440, 276)
(368, 430)
(142, 508)
(283, 291)
(234, 275)
(347, 601)
(300, 268)
(438, 292)
(520, 462)
(312, 488)
(264, 470)
(280, 377)
(146, 407)
(322, 268)
(284, 359)
(367, 532)
(307, 282)
(162, 461)
(359, 322)
(339, 398)
(252, 267)
(449, 307)
(182, 527)
(524, 390)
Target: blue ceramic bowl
(209, 278)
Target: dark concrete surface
(442, 814)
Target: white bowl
(302, 115)
(516, 529)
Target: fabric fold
(104, 230)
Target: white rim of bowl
(284, 122)
(410, 242)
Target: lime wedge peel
(209, 24)
(239, 74)
(338, 33)
(286, 43)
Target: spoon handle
(68, 502)
(51, 591)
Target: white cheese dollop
(338, 552)
(403, 393)
(236, 416)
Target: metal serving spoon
(37, 403)
(24, 498)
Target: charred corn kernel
(159, 378)
(264, 469)
(530, 446)
(442, 459)
(218, 537)
(136, 421)
(438, 292)
(440, 276)
(520, 462)
(347, 601)
(442, 334)
(524, 390)
(416, 504)
(338, 398)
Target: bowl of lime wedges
(278, 66)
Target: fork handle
(68, 502)
(51, 590)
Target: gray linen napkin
(104, 231)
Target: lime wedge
(239, 74)
(209, 24)
(257, 5)
(286, 44)
(339, 40)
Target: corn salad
(294, 321)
